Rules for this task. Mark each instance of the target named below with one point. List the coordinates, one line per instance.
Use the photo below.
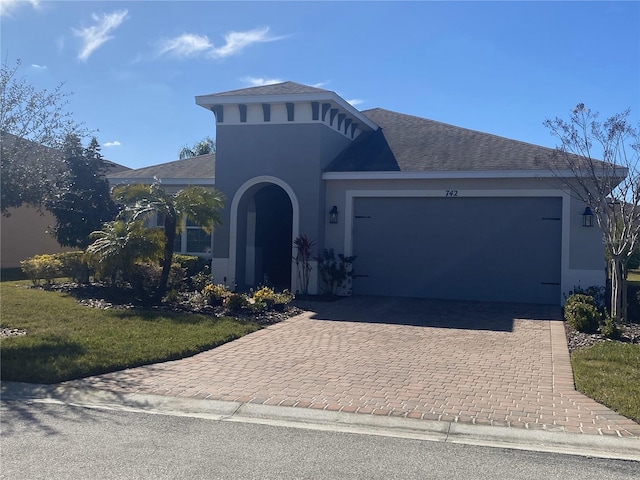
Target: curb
(620, 448)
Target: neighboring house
(24, 233)
(429, 209)
(174, 176)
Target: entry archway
(264, 222)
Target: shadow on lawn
(430, 313)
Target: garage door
(487, 249)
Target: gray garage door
(488, 249)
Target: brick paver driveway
(490, 364)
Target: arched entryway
(264, 213)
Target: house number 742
(451, 193)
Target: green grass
(66, 340)
(610, 374)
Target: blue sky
(499, 67)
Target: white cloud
(258, 82)
(355, 101)
(186, 45)
(115, 143)
(38, 67)
(96, 35)
(7, 7)
(238, 41)
(191, 45)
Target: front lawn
(609, 373)
(66, 340)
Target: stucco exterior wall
(294, 155)
(23, 235)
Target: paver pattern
(468, 362)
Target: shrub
(336, 274)
(235, 302)
(264, 295)
(191, 263)
(581, 313)
(42, 267)
(177, 277)
(74, 266)
(201, 279)
(145, 279)
(609, 328)
(215, 294)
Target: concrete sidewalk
(622, 448)
(463, 362)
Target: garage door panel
(499, 249)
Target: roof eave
(207, 101)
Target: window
(198, 241)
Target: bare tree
(32, 123)
(609, 185)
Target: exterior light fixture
(333, 214)
(587, 217)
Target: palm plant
(120, 244)
(200, 205)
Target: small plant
(264, 295)
(42, 267)
(74, 266)
(336, 274)
(216, 294)
(304, 245)
(581, 313)
(609, 328)
(201, 279)
(235, 302)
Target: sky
(134, 68)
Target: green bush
(42, 267)
(216, 294)
(74, 266)
(609, 328)
(581, 313)
(191, 263)
(235, 302)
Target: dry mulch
(630, 333)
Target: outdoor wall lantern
(587, 217)
(333, 214)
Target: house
(175, 176)
(429, 209)
(24, 232)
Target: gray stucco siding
(293, 153)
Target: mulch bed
(97, 295)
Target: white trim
(447, 175)
(233, 222)
(206, 101)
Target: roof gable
(284, 88)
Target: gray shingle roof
(283, 88)
(413, 144)
(200, 167)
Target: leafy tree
(203, 147)
(198, 204)
(33, 123)
(82, 203)
(610, 185)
